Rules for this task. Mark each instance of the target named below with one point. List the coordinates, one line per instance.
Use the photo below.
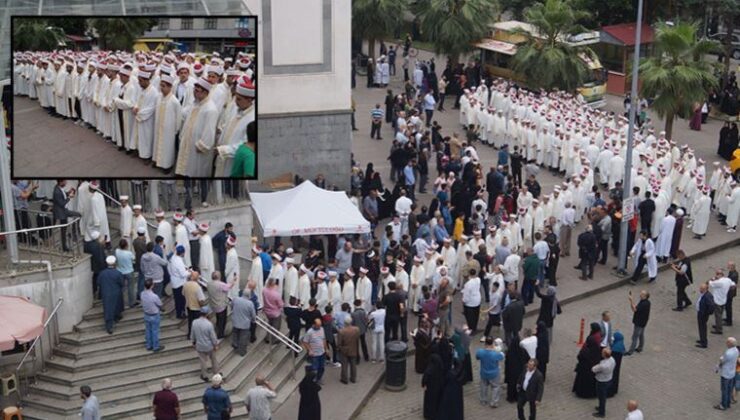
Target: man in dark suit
(587, 253)
(60, 211)
(705, 308)
(494, 187)
(646, 209)
(348, 342)
(530, 387)
(512, 316)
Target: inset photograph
(134, 97)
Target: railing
(282, 338)
(20, 374)
(47, 240)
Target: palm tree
(544, 59)
(372, 19)
(453, 26)
(676, 76)
(37, 35)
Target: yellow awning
(497, 46)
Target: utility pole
(627, 186)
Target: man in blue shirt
(219, 243)
(429, 104)
(216, 400)
(266, 263)
(490, 375)
(410, 178)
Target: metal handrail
(37, 229)
(52, 316)
(279, 335)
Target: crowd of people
(187, 114)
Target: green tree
(544, 59)
(453, 26)
(603, 13)
(729, 12)
(120, 33)
(36, 34)
(373, 19)
(515, 7)
(676, 76)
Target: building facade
(207, 34)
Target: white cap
(94, 235)
(110, 260)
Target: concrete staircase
(124, 375)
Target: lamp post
(627, 186)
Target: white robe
(144, 121)
(231, 269)
(60, 100)
(114, 91)
(364, 292)
(417, 280)
(206, 264)
(348, 292)
(277, 273)
(233, 135)
(733, 208)
(290, 287)
(665, 238)
(140, 221)
(322, 296)
(197, 138)
(652, 261)
(125, 222)
(181, 238)
(125, 102)
(255, 275)
(334, 294)
(164, 229)
(700, 211)
(99, 217)
(304, 290)
(167, 120)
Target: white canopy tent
(307, 210)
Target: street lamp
(627, 187)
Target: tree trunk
(371, 48)
(727, 44)
(669, 125)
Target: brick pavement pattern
(48, 147)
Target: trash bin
(395, 365)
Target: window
(210, 23)
(242, 23)
(186, 23)
(164, 24)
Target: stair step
(120, 357)
(72, 351)
(132, 316)
(124, 331)
(96, 312)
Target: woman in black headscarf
(590, 355)
(724, 136)
(451, 404)
(514, 362)
(423, 346)
(309, 407)
(543, 348)
(433, 383)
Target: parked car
(720, 37)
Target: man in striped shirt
(377, 115)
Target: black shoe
(652, 280)
(599, 415)
(701, 346)
(638, 350)
(204, 379)
(677, 309)
(159, 349)
(344, 381)
(629, 353)
(716, 332)
(109, 331)
(727, 323)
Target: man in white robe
(322, 292)
(665, 238)
(167, 120)
(364, 290)
(643, 253)
(206, 264)
(164, 229)
(181, 236)
(139, 222)
(60, 100)
(231, 267)
(197, 136)
(126, 219)
(700, 212)
(124, 103)
(348, 287)
(255, 273)
(303, 288)
(334, 291)
(277, 272)
(733, 208)
(114, 90)
(417, 280)
(99, 219)
(235, 129)
(101, 88)
(290, 287)
(385, 278)
(183, 89)
(146, 104)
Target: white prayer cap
(243, 64)
(417, 259)
(94, 235)
(231, 241)
(150, 67)
(384, 270)
(289, 260)
(217, 379)
(125, 71)
(123, 198)
(183, 65)
(141, 230)
(203, 227)
(289, 251)
(168, 79)
(137, 207)
(304, 268)
(233, 72)
(177, 217)
(216, 69)
(102, 66)
(276, 256)
(332, 273)
(165, 68)
(113, 67)
(197, 67)
(94, 185)
(110, 260)
(363, 270)
(321, 275)
(204, 84)
(245, 89)
(256, 249)
(349, 272)
(144, 75)
(159, 213)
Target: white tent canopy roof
(307, 210)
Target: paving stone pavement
(48, 147)
(671, 378)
